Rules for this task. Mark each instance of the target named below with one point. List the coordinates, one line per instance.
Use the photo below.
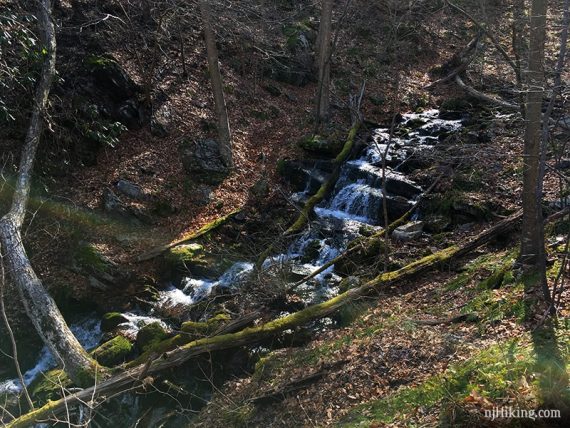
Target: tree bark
(39, 305)
(324, 38)
(224, 133)
(532, 237)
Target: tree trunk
(217, 86)
(40, 307)
(324, 55)
(532, 237)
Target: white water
(87, 331)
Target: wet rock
(111, 321)
(203, 161)
(150, 335)
(306, 176)
(409, 231)
(114, 352)
(130, 189)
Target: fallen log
(131, 379)
(155, 252)
(484, 97)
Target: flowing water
(354, 206)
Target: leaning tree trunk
(224, 133)
(39, 305)
(532, 237)
(324, 62)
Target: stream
(355, 206)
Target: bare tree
(39, 305)
(224, 133)
(532, 239)
(324, 63)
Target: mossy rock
(312, 251)
(113, 352)
(194, 259)
(150, 335)
(111, 321)
(321, 146)
(48, 386)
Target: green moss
(48, 386)
(111, 321)
(113, 352)
(150, 335)
(322, 146)
(89, 257)
(183, 255)
(494, 373)
(196, 330)
(95, 61)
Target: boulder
(202, 160)
(130, 189)
(111, 320)
(150, 335)
(320, 146)
(409, 231)
(113, 352)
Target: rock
(113, 204)
(311, 251)
(306, 176)
(202, 160)
(161, 121)
(409, 231)
(321, 146)
(130, 189)
(49, 386)
(260, 189)
(465, 212)
(130, 114)
(111, 320)
(150, 335)
(113, 352)
(111, 77)
(436, 223)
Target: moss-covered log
(133, 377)
(155, 252)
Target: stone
(130, 189)
(150, 335)
(409, 231)
(202, 161)
(113, 352)
(321, 146)
(260, 189)
(111, 320)
(436, 223)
